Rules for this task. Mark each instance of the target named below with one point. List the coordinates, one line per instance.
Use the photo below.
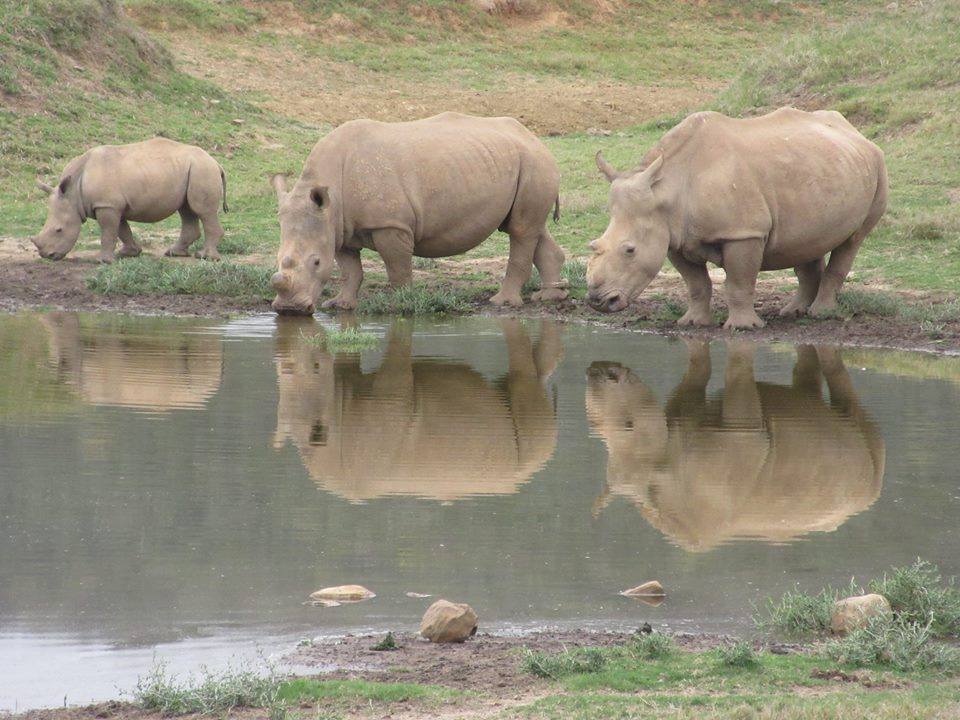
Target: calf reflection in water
(426, 427)
(145, 365)
(755, 460)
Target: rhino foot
(177, 252)
(105, 259)
(695, 317)
(743, 321)
(126, 252)
(794, 308)
(821, 309)
(508, 299)
(550, 295)
(339, 303)
(212, 255)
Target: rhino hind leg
(212, 233)
(549, 258)
(808, 275)
(523, 246)
(130, 247)
(841, 260)
(189, 234)
(396, 248)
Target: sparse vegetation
(208, 693)
(388, 643)
(142, 275)
(345, 340)
(739, 655)
(654, 646)
(920, 596)
(416, 300)
(900, 644)
(798, 613)
(563, 664)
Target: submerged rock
(445, 622)
(649, 591)
(343, 593)
(853, 613)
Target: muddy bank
(26, 283)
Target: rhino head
(631, 251)
(308, 239)
(64, 218)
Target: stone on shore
(446, 622)
(853, 613)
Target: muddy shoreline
(31, 284)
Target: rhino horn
(606, 168)
(46, 188)
(279, 183)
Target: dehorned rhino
(142, 182)
(766, 193)
(429, 188)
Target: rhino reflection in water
(431, 428)
(756, 460)
(156, 371)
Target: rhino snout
(279, 281)
(613, 301)
(284, 307)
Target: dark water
(174, 489)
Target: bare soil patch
(319, 91)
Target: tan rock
(855, 612)
(343, 593)
(650, 589)
(445, 622)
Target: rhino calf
(429, 188)
(142, 182)
(767, 193)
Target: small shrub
(208, 694)
(388, 643)
(898, 644)
(799, 613)
(347, 340)
(919, 595)
(570, 662)
(739, 655)
(654, 646)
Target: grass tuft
(141, 275)
(347, 340)
(207, 694)
(898, 644)
(569, 662)
(417, 300)
(654, 646)
(739, 655)
(388, 643)
(798, 613)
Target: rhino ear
(64, 184)
(279, 183)
(606, 168)
(654, 172)
(46, 188)
(320, 196)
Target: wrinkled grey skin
(142, 182)
(429, 188)
(766, 193)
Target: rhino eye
(629, 249)
(316, 263)
(60, 229)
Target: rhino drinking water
(143, 182)
(429, 188)
(766, 193)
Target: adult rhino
(765, 193)
(755, 460)
(142, 182)
(429, 188)
(402, 429)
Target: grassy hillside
(257, 81)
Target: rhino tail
(223, 182)
(556, 210)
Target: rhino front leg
(109, 220)
(699, 290)
(129, 247)
(189, 234)
(351, 277)
(396, 248)
(742, 260)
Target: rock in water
(445, 622)
(343, 593)
(855, 612)
(651, 589)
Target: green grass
(569, 662)
(654, 646)
(919, 595)
(142, 275)
(302, 689)
(346, 340)
(899, 644)
(739, 655)
(417, 300)
(798, 613)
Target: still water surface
(174, 489)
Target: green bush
(898, 644)
(919, 595)
(654, 646)
(739, 655)
(569, 662)
(798, 613)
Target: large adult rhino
(155, 371)
(142, 182)
(425, 427)
(429, 188)
(765, 193)
(755, 461)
